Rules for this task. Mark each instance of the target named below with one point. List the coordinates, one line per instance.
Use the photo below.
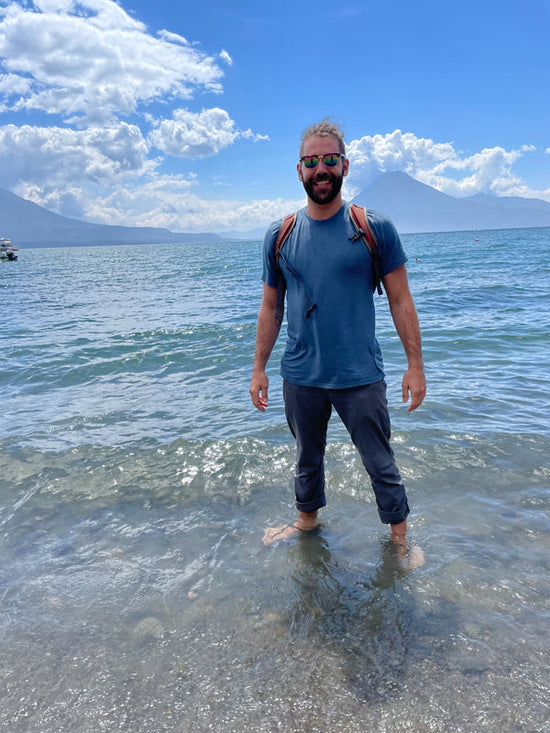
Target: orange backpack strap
(287, 225)
(360, 221)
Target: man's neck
(323, 211)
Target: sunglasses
(330, 159)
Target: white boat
(8, 253)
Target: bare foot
(274, 534)
(305, 523)
(410, 556)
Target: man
(332, 358)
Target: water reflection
(364, 618)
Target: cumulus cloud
(91, 61)
(437, 164)
(162, 201)
(91, 68)
(169, 201)
(395, 151)
(62, 156)
(197, 135)
(156, 200)
(89, 65)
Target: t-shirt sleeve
(392, 254)
(270, 272)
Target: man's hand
(414, 383)
(258, 390)
(269, 324)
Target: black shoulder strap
(360, 221)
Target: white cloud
(13, 84)
(249, 135)
(173, 38)
(155, 200)
(224, 56)
(103, 13)
(437, 164)
(169, 201)
(394, 151)
(61, 157)
(197, 135)
(90, 65)
(87, 63)
(90, 60)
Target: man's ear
(299, 169)
(345, 167)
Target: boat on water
(8, 253)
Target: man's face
(322, 183)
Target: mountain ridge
(28, 224)
(415, 207)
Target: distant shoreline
(221, 239)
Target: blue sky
(188, 115)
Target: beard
(328, 194)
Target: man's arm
(406, 324)
(270, 319)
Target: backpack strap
(360, 221)
(287, 225)
(358, 215)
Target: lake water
(136, 481)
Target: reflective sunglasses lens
(310, 161)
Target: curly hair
(325, 128)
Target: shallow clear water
(136, 481)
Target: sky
(188, 114)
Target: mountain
(411, 205)
(249, 234)
(415, 207)
(28, 224)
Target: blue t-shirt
(330, 309)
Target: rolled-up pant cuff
(310, 506)
(394, 517)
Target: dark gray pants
(364, 412)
